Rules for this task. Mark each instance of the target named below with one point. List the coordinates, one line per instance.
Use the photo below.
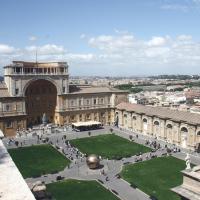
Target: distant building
(192, 94)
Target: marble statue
(187, 160)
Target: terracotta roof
(161, 112)
(85, 90)
(192, 94)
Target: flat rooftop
(76, 89)
(26, 64)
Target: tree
(136, 90)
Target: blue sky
(104, 37)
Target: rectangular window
(95, 101)
(102, 114)
(72, 118)
(16, 91)
(63, 89)
(7, 107)
(9, 124)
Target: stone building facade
(31, 89)
(176, 127)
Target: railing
(73, 108)
(36, 73)
(11, 113)
(90, 106)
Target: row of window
(88, 101)
(10, 123)
(87, 116)
(39, 104)
(10, 107)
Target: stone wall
(183, 134)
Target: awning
(88, 123)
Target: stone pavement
(195, 157)
(78, 168)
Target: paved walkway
(195, 157)
(78, 168)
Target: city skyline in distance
(115, 38)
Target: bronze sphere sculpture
(93, 161)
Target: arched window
(145, 120)
(183, 129)
(134, 117)
(156, 123)
(169, 126)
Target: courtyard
(79, 190)
(156, 176)
(34, 161)
(109, 146)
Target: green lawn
(156, 176)
(79, 190)
(37, 160)
(109, 146)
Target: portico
(175, 127)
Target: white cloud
(183, 5)
(6, 49)
(48, 49)
(110, 43)
(32, 38)
(184, 37)
(80, 58)
(175, 7)
(156, 52)
(83, 36)
(123, 32)
(119, 53)
(157, 41)
(126, 50)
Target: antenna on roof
(36, 55)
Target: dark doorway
(41, 98)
